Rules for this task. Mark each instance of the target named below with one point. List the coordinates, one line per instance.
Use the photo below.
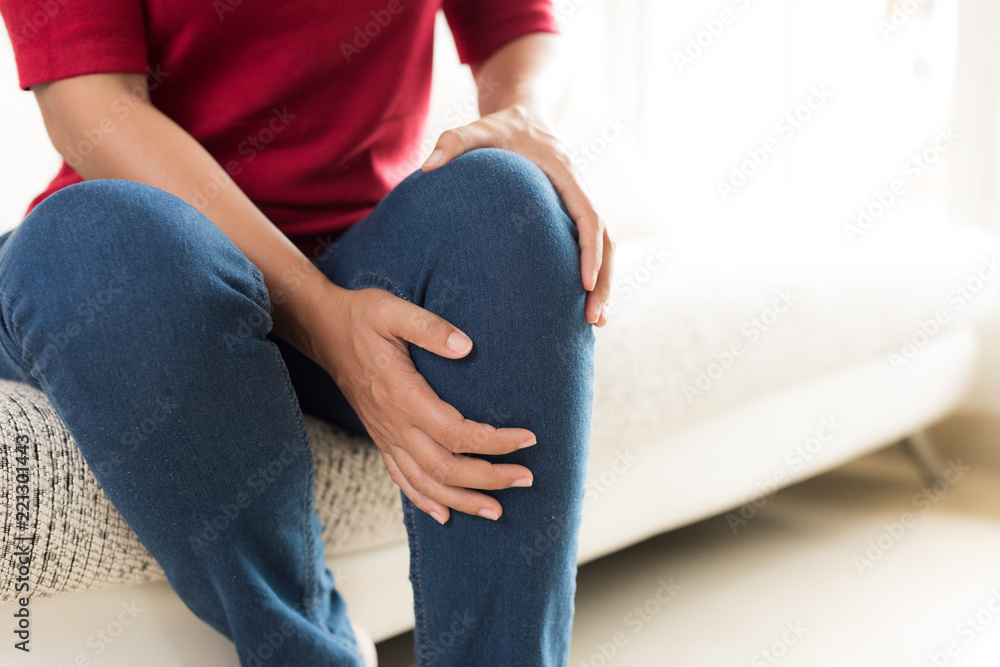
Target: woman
(212, 150)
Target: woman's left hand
(516, 129)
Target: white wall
(677, 130)
(975, 185)
(27, 159)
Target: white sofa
(739, 365)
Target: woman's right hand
(361, 341)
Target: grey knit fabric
(80, 542)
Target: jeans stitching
(418, 593)
(312, 583)
(263, 297)
(381, 281)
(11, 332)
(8, 337)
(357, 280)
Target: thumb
(457, 141)
(434, 334)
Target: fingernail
(434, 160)
(489, 514)
(459, 342)
(596, 273)
(528, 443)
(524, 481)
(438, 518)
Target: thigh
(9, 368)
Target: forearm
(146, 146)
(522, 73)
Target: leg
(145, 326)
(485, 243)
(925, 455)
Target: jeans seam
(9, 339)
(312, 582)
(373, 280)
(10, 331)
(420, 612)
(263, 297)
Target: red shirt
(314, 109)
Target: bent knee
(109, 245)
(103, 212)
(499, 206)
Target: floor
(864, 566)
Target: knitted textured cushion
(81, 542)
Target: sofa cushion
(666, 358)
(81, 542)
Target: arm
(349, 333)
(146, 146)
(515, 115)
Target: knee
(107, 250)
(497, 210)
(108, 232)
(86, 219)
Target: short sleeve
(481, 27)
(56, 39)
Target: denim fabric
(149, 331)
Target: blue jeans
(149, 331)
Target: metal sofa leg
(923, 452)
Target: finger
(467, 472)
(589, 224)
(462, 500)
(457, 141)
(424, 329)
(436, 510)
(418, 401)
(598, 299)
(443, 423)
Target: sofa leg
(923, 452)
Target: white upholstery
(825, 356)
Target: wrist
(299, 307)
(528, 108)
